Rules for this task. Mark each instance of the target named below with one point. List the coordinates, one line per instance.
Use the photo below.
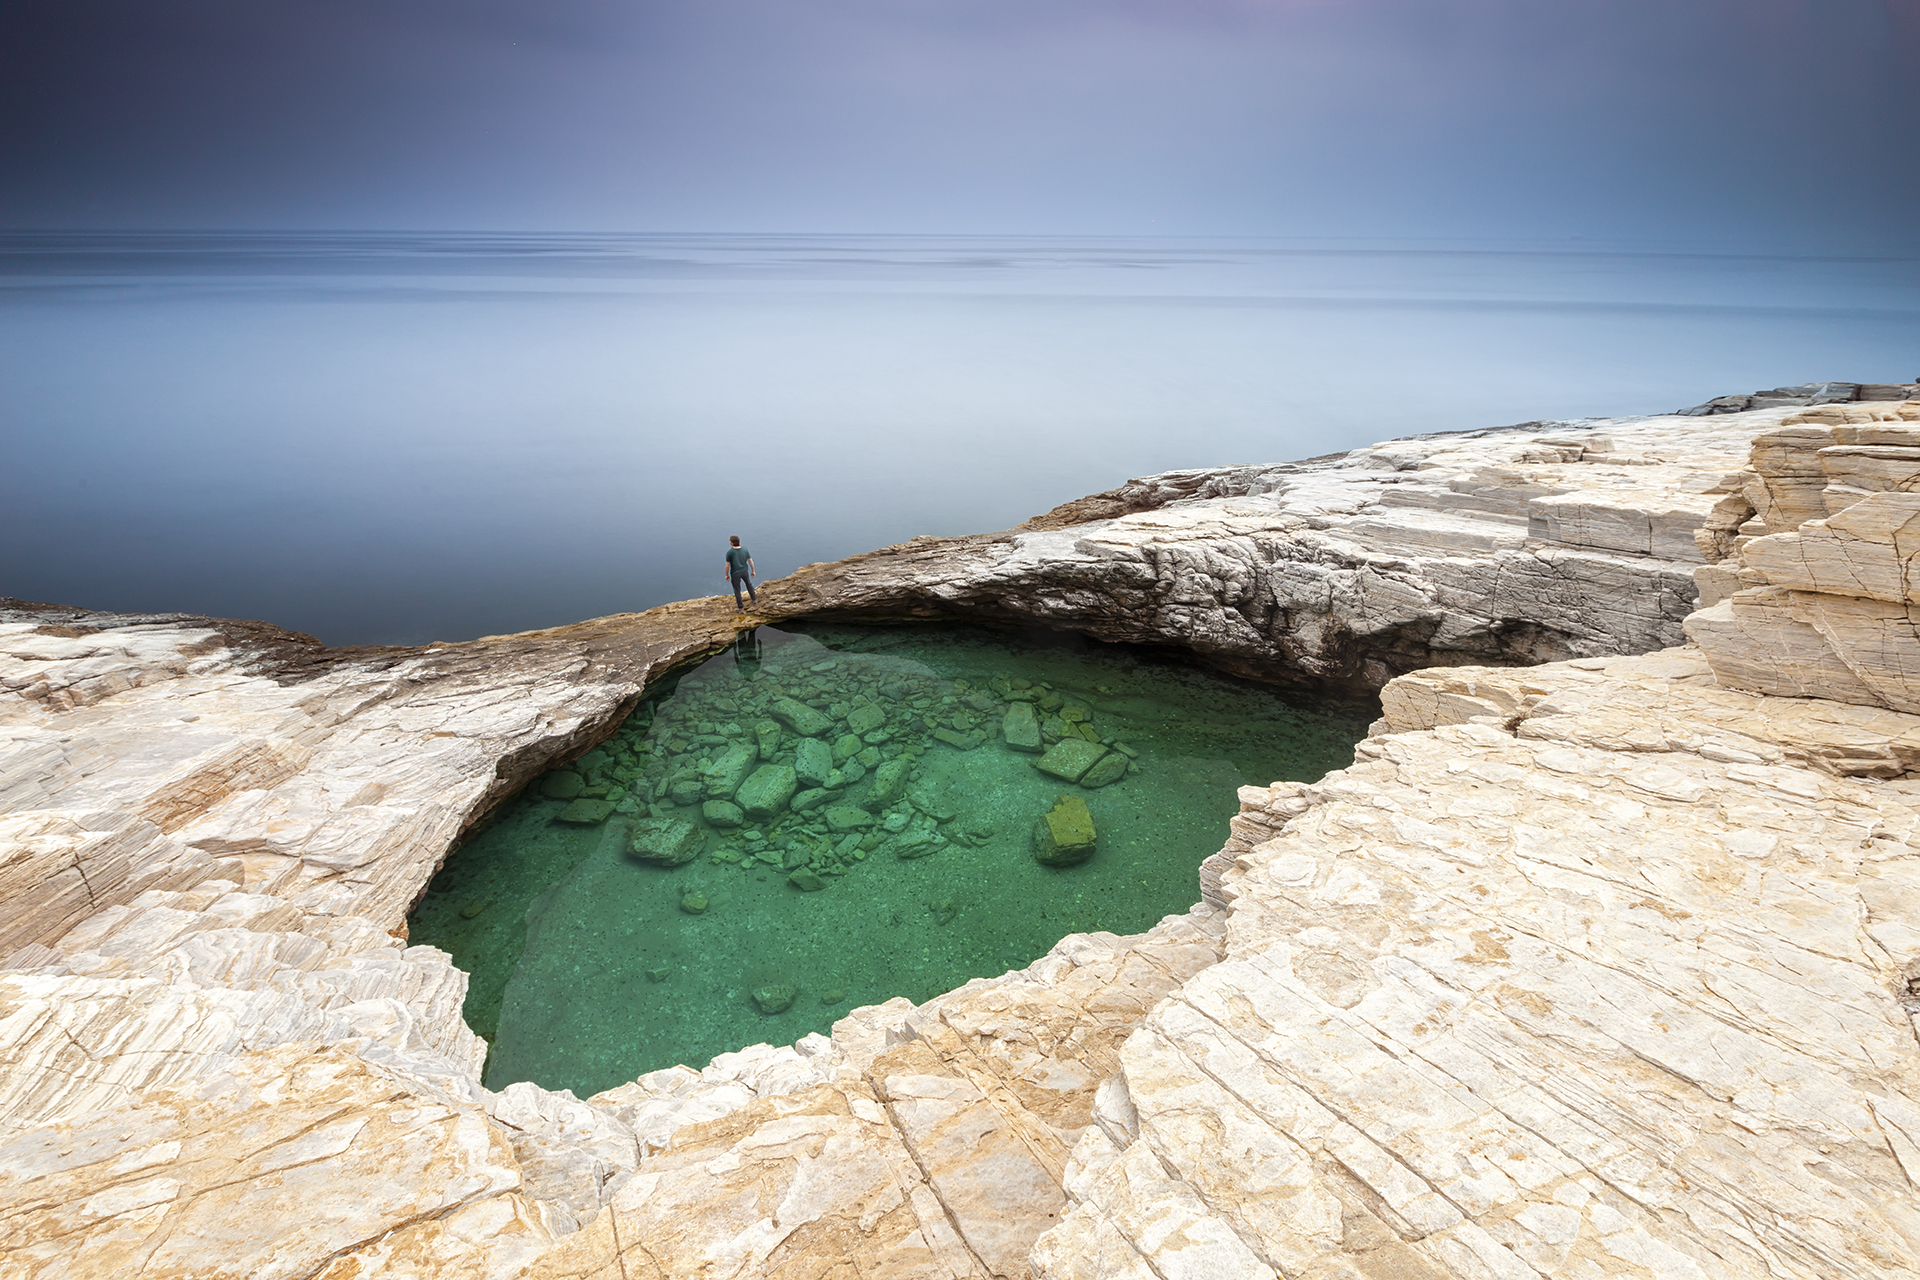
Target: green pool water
(912, 869)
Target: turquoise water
(911, 870)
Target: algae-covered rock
(808, 800)
(812, 762)
(684, 791)
(693, 902)
(766, 791)
(585, 813)
(1070, 758)
(846, 747)
(889, 783)
(806, 882)
(958, 741)
(669, 842)
(1111, 768)
(866, 719)
(914, 845)
(799, 717)
(723, 814)
(846, 817)
(1064, 837)
(775, 997)
(562, 784)
(730, 770)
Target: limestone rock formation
(1816, 601)
(1602, 968)
(1541, 542)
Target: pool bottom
(591, 968)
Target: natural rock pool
(829, 816)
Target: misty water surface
(405, 438)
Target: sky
(1727, 121)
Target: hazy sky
(1686, 119)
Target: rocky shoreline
(1594, 968)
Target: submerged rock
(812, 762)
(846, 817)
(693, 903)
(866, 719)
(724, 814)
(806, 881)
(766, 792)
(730, 770)
(668, 842)
(1064, 837)
(1111, 768)
(889, 783)
(799, 717)
(585, 813)
(562, 784)
(1070, 758)
(775, 997)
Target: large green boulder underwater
(1021, 727)
(730, 770)
(813, 761)
(667, 842)
(766, 791)
(1064, 837)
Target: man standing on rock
(739, 572)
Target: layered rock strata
(1815, 596)
(1545, 542)
(1592, 969)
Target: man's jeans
(742, 580)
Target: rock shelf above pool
(1599, 968)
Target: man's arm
(750, 569)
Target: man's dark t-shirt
(737, 558)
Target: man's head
(735, 539)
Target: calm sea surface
(400, 438)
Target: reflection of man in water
(739, 572)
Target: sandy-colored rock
(1556, 540)
(1494, 1006)
(1821, 605)
(296, 1161)
(1593, 969)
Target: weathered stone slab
(800, 717)
(1070, 758)
(1021, 728)
(1111, 768)
(766, 791)
(846, 817)
(725, 775)
(669, 842)
(586, 813)
(812, 762)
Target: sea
(399, 438)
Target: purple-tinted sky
(1724, 120)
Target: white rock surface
(1553, 541)
(1589, 970)
(1821, 603)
